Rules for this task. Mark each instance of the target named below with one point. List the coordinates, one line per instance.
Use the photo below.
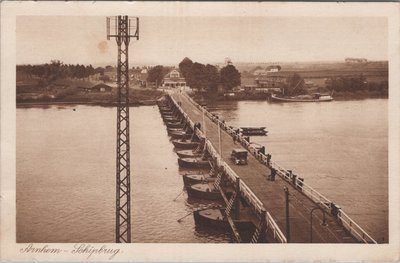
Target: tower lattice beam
(120, 28)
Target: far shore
(91, 103)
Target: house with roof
(174, 79)
(110, 73)
(90, 87)
(141, 77)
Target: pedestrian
(234, 138)
(273, 174)
(269, 160)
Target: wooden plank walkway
(271, 193)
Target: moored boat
(167, 111)
(316, 97)
(170, 118)
(196, 162)
(203, 191)
(215, 217)
(253, 131)
(165, 106)
(189, 153)
(172, 130)
(190, 179)
(185, 144)
(180, 134)
(174, 124)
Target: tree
(212, 78)
(230, 77)
(156, 74)
(196, 78)
(349, 83)
(99, 70)
(185, 67)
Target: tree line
(208, 77)
(199, 76)
(57, 70)
(356, 83)
(157, 73)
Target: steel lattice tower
(120, 28)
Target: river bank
(261, 96)
(137, 97)
(89, 103)
(360, 95)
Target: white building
(174, 79)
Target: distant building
(90, 87)
(260, 72)
(111, 73)
(101, 88)
(271, 81)
(356, 60)
(250, 87)
(228, 61)
(173, 79)
(274, 68)
(141, 76)
(265, 71)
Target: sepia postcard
(200, 131)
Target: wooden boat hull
(172, 130)
(180, 135)
(171, 119)
(174, 124)
(191, 179)
(280, 99)
(165, 107)
(167, 112)
(197, 163)
(260, 131)
(215, 217)
(185, 144)
(203, 191)
(188, 154)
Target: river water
(66, 167)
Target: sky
(167, 40)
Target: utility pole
(219, 139)
(122, 28)
(287, 214)
(204, 124)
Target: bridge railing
(247, 194)
(355, 229)
(313, 194)
(245, 191)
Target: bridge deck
(271, 193)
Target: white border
(197, 252)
